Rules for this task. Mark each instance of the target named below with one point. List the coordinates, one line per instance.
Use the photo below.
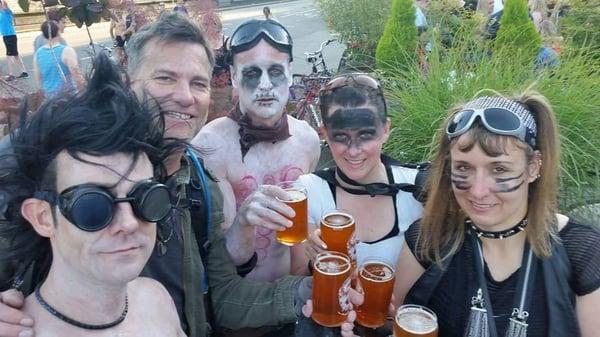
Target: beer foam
(416, 321)
(377, 272)
(295, 196)
(338, 220)
(332, 265)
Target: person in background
(54, 15)
(9, 36)
(56, 67)
(491, 255)
(180, 8)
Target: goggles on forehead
(498, 115)
(249, 33)
(352, 79)
(91, 207)
(496, 120)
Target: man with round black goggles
(91, 207)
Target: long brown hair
(443, 230)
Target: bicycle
(99, 48)
(304, 91)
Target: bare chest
(267, 164)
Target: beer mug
(376, 278)
(298, 233)
(337, 231)
(331, 287)
(415, 321)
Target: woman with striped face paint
(491, 255)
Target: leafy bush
(418, 103)
(398, 44)
(358, 22)
(517, 31)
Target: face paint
(460, 182)
(506, 185)
(353, 118)
(262, 76)
(251, 76)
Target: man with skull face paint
(258, 145)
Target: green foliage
(580, 25)
(418, 102)
(358, 22)
(398, 44)
(517, 31)
(80, 12)
(24, 4)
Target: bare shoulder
(142, 286)
(215, 135)
(304, 132)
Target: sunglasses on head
(352, 79)
(246, 35)
(91, 207)
(500, 121)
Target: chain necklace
(76, 323)
(497, 235)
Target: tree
(398, 45)
(517, 32)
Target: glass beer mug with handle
(415, 321)
(331, 287)
(298, 233)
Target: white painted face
(262, 76)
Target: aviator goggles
(351, 79)
(498, 115)
(91, 207)
(249, 33)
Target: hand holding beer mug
(331, 288)
(376, 278)
(415, 321)
(297, 200)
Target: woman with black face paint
(363, 183)
(491, 256)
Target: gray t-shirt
(40, 40)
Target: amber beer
(337, 231)
(377, 282)
(331, 284)
(298, 233)
(415, 321)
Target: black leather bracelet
(247, 267)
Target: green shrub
(517, 31)
(398, 44)
(580, 25)
(418, 103)
(358, 22)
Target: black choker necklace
(497, 235)
(372, 189)
(78, 324)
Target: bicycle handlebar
(320, 51)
